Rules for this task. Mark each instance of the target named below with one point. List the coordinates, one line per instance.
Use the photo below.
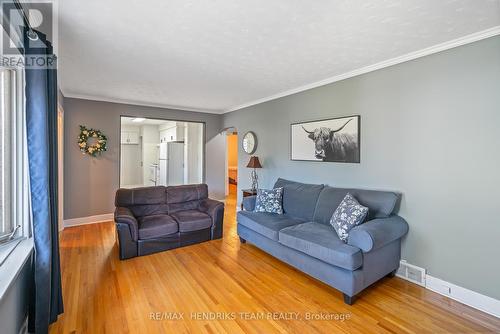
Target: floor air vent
(411, 273)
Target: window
(14, 201)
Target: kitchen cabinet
(130, 138)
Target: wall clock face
(249, 142)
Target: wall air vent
(411, 273)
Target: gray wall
(14, 304)
(430, 129)
(90, 183)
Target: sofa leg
(349, 300)
(392, 273)
(243, 241)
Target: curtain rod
(31, 32)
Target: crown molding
(138, 103)
(494, 31)
(491, 32)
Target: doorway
(232, 163)
(60, 166)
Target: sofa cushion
(299, 199)
(144, 201)
(269, 200)
(380, 204)
(156, 226)
(140, 196)
(267, 224)
(321, 242)
(192, 220)
(186, 197)
(348, 214)
(186, 193)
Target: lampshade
(254, 162)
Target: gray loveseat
(304, 238)
(154, 219)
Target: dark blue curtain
(41, 121)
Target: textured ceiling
(216, 55)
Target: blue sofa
(303, 237)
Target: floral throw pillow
(269, 201)
(349, 213)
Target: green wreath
(99, 141)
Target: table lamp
(254, 163)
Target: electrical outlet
(443, 289)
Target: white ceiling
(219, 55)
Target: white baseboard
(465, 296)
(88, 220)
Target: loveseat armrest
(215, 210)
(249, 203)
(377, 233)
(123, 215)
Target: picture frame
(326, 140)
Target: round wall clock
(249, 142)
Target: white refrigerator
(171, 164)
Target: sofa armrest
(123, 215)
(377, 233)
(215, 210)
(249, 203)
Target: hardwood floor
(221, 278)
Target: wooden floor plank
(223, 286)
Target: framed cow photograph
(329, 140)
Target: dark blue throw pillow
(348, 214)
(269, 201)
